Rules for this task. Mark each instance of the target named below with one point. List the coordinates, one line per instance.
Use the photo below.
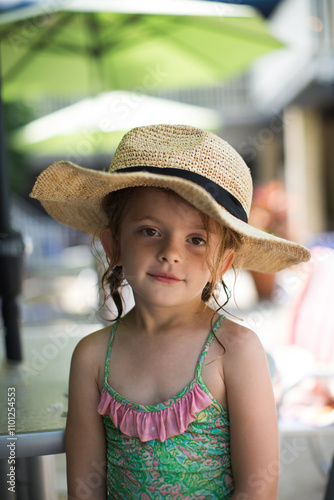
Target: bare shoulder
(93, 342)
(90, 352)
(233, 334)
(241, 344)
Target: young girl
(174, 400)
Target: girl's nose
(169, 252)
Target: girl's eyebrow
(146, 217)
(150, 218)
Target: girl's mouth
(165, 277)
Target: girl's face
(163, 249)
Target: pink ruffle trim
(160, 424)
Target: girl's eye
(196, 240)
(149, 231)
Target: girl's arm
(254, 434)
(85, 436)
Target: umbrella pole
(11, 256)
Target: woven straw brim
(72, 195)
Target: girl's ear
(227, 261)
(108, 245)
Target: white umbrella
(111, 112)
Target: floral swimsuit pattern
(179, 449)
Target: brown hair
(115, 205)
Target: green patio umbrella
(82, 47)
(85, 47)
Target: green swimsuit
(179, 449)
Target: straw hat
(196, 164)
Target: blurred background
(76, 76)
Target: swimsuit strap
(112, 334)
(206, 347)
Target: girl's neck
(155, 321)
